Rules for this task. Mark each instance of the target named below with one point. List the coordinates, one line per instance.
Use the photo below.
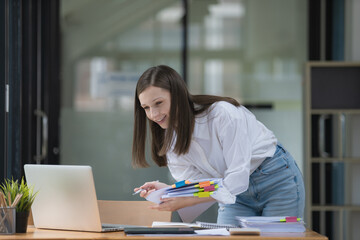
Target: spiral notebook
(202, 225)
(214, 225)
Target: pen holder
(7, 220)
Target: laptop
(66, 198)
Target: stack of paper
(273, 224)
(187, 188)
(199, 188)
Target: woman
(203, 136)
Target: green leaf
(14, 188)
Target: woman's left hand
(173, 204)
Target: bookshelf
(332, 144)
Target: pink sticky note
(291, 219)
(209, 188)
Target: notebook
(198, 224)
(150, 230)
(66, 198)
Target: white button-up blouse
(228, 143)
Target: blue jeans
(276, 188)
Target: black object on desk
(150, 230)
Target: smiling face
(156, 102)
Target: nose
(153, 113)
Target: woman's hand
(149, 187)
(173, 204)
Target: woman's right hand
(149, 187)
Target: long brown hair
(181, 101)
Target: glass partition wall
(253, 51)
(106, 46)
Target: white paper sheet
(213, 232)
(156, 195)
(187, 214)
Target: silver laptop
(66, 198)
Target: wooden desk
(34, 233)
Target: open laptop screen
(66, 197)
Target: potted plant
(21, 196)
